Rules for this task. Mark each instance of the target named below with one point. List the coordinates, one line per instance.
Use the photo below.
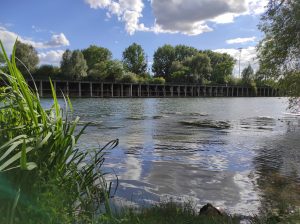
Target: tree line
(172, 64)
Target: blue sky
(55, 25)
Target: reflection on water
(163, 154)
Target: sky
(52, 26)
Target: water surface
(164, 154)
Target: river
(164, 153)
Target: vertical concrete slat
(91, 89)
(79, 89)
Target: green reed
(44, 177)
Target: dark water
(164, 153)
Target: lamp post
(240, 50)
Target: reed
(44, 177)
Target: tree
(247, 75)
(98, 72)
(222, 66)
(134, 59)
(162, 61)
(179, 72)
(200, 67)
(114, 70)
(279, 51)
(26, 57)
(79, 66)
(182, 52)
(73, 64)
(94, 54)
(45, 71)
(65, 64)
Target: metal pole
(240, 50)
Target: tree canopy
(247, 75)
(162, 61)
(199, 67)
(27, 57)
(279, 50)
(134, 59)
(222, 66)
(94, 54)
(73, 64)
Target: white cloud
(241, 40)
(8, 39)
(248, 56)
(127, 11)
(51, 57)
(94, 4)
(188, 17)
(58, 41)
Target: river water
(171, 149)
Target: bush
(129, 77)
(158, 80)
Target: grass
(43, 176)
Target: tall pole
(240, 50)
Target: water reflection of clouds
(158, 156)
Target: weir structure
(129, 90)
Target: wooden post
(112, 90)
(185, 91)
(130, 91)
(91, 89)
(102, 89)
(171, 90)
(79, 89)
(122, 90)
(140, 90)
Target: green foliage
(27, 58)
(2, 60)
(74, 65)
(94, 55)
(199, 66)
(114, 70)
(172, 213)
(46, 71)
(279, 51)
(99, 71)
(78, 62)
(134, 59)
(182, 52)
(222, 66)
(162, 61)
(44, 177)
(129, 77)
(158, 80)
(247, 75)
